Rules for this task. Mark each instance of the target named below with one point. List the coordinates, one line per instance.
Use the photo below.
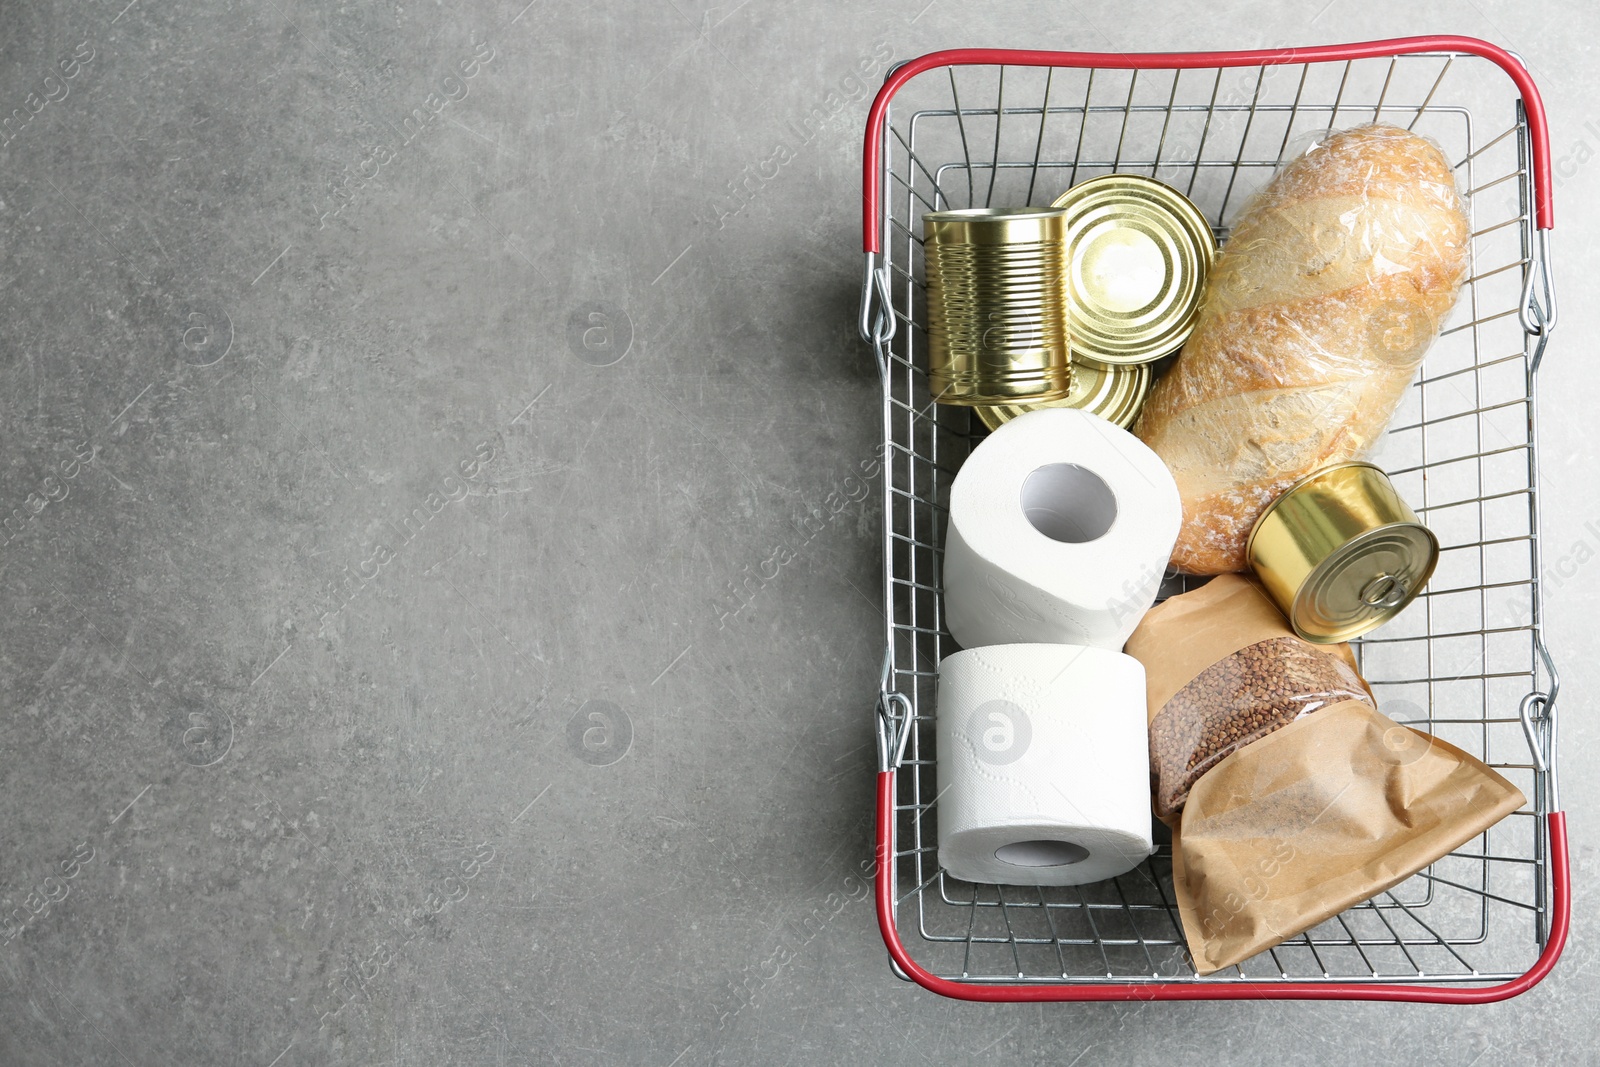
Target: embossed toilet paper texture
(1042, 743)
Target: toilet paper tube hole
(1041, 853)
(1069, 503)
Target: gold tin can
(997, 317)
(1138, 252)
(1341, 553)
(1116, 394)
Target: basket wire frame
(1466, 662)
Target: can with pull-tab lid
(1341, 553)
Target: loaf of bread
(1336, 279)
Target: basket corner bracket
(894, 723)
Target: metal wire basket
(1467, 662)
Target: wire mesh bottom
(1465, 662)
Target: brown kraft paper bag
(1291, 798)
(1316, 817)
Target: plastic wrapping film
(1334, 282)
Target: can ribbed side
(997, 320)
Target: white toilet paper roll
(1043, 765)
(1060, 529)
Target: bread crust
(1325, 299)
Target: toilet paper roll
(1043, 765)
(1060, 528)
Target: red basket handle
(1560, 919)
(1533, 106)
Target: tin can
(997, 316)
(1138, 252)
(1341, 553)
(1116, 394)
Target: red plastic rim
(1560, 918)
(1544, 216)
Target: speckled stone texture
(414, 649)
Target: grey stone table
(394, 401)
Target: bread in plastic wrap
(1334, 282)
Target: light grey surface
(272, 776)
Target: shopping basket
(1467, 662)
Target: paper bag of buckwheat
(1223, 668)
(1286, 818)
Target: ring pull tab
(1384, 591)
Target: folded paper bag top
(1317, 817)
(1185, 634)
